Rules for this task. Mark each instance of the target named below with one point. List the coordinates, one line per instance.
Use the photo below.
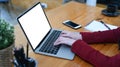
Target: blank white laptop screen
(35, 25)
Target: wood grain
(81, 14)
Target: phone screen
(70, 23)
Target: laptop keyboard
(48, 46)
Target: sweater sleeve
(86, 52)
(109, 36)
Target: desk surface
(81, 14)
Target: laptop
(40, 35)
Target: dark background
(106, 2)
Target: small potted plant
(6, 43)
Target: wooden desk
(81, 14)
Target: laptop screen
(34, 24)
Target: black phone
(71, 24)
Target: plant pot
(5, 56)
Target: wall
(28, 3)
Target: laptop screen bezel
(39, 3)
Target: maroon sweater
(82, 49)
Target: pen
(105, 25)
(27, 50)
(110, 29)
(27, 63)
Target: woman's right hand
(68, 38)
(72, 35)
(64, 40)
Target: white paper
(98, 26)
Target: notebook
(99, 26)
(40, 35)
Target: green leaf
(6, 34)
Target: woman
(79, 45)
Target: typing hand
(68, 38)
(71, 35)
(64, 40)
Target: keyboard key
(48, 46)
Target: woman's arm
(82, 49)
(109, 36)
(87, 53)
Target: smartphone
(71, 24)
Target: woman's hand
(64, 40)
(72, 35)
(68, 38)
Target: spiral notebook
(99, 26)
